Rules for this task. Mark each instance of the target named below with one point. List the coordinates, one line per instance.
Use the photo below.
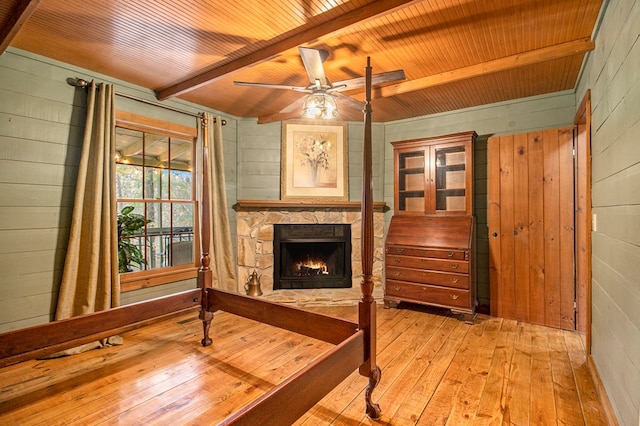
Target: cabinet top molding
(454, 137)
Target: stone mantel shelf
(243, 205)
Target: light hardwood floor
(435, 370)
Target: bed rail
(52, 337)
(323, 327)
(285, 403)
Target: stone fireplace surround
(255, 220)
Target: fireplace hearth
(311, 256)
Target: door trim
(582, 123)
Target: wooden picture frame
(314, 165)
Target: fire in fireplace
(311, 256)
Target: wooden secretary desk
(429, 248)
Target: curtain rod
(82, 83)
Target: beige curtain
(90, 280)
(222, 260)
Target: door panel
(531, 243)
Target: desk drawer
(427, 252)
(457, 266)
(428, 277)
(441, 296)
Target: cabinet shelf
(451, 167)
(411, 170)
(459, 192)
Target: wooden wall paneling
(34, 217)
(20, 149)
(38, 174)
(551, 224)
(567, 233)
(521, 225)
(551, 227)
(258, 161)
(506, 288)
(30, 310)
(494, 222)
(35, 195)
(22, 263)
(536, 231)
(21, 240)
(26, 285)
(23, 128)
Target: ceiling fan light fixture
(320, 106)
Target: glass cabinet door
(411, 181)
(434, 176)
(449, 175)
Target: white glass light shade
(320, 106)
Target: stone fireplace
(256, 248)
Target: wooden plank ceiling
(455, 53)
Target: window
(155, 182)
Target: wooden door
(531, 227)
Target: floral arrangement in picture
(314, 152)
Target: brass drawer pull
(397, 261)
(455, 279)
(454, 296)
(454, 266)
(399, 250)
(450, 254)
(396, 288)
(396, 273)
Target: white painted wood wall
(612, 73)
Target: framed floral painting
(314, 161)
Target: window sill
(145, 279)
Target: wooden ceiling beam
(531, 57)
(18, 18)
(293, 38)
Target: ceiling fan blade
(312, 60)
(271, 86)
(295, 106)
(278, 116)
(383, 77)
(347, 102)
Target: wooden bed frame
(355, 342)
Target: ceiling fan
(322, 101)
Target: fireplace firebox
(311, 256)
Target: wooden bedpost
(204, 273)
(367, 304)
